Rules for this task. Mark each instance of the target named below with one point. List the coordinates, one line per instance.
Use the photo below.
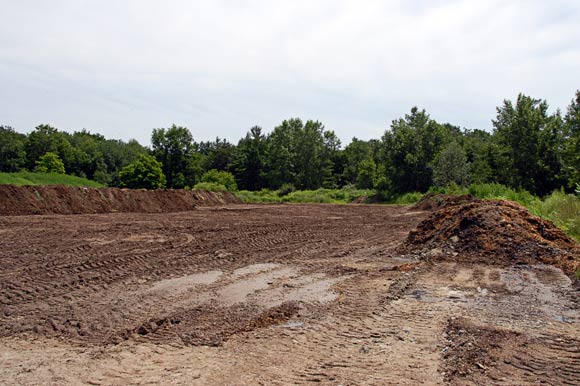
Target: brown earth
(494, 232)
(26, 200)
(271, 295)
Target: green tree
(355, 153)
(409, 149)
(144, 173)
(571, 151)
(44, 139)
(367, 170)
(249, 162)
(220, 177)
(218, 154)
(450, 166)
(12, 153)
(300, 154)
(50, 163)
(174, 148)
(528, 145)
(477, 146)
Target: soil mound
(494, 232)
(432, 201)
(27, 200)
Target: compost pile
(492, 231)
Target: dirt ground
(271, 295)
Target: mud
(28, 200)
(271, 295)
(495, 232)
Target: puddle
(293, 325)
(183, 283)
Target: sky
(219, 67)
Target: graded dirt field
(273, 295)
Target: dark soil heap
(27, 200)
(494, 232)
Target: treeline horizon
(528, 149)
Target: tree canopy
(525, 147)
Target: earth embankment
(31, 200)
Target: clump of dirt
(211, 325)
(471, 351)
(494, 232)
(432, 201)
(30, 200)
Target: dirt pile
(27, 200)
(495, 232)
(434, 201)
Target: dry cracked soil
(271, 295)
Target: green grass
(30, 178)
(210, 186)
(406, 199)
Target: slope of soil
(495, 232)
(26, 200)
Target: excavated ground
(271, 295)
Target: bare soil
(272, 295)
(26, 200)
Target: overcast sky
(122, 68)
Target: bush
(286, 189)
(407, 198)
(211, 186)
(144, 173)
(220, 177)
(49, 163)
(264, 195)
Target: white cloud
(219, 67)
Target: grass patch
(210, 186)
(406, 199)
(30, 178)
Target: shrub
(49, 163)
(286, 189)
(220, 177)
(211, 186)
(144, 173)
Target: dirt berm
(28, 200)
(493, 232)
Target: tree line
(528, 148)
